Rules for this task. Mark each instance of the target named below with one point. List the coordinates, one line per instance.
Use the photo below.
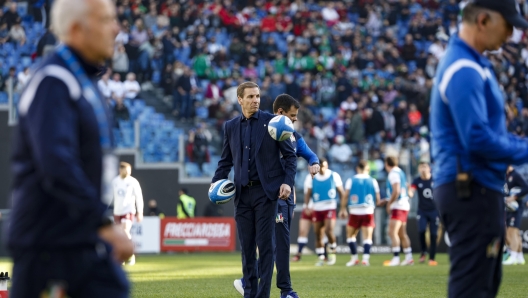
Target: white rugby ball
(512, 206)
(222, 191)
(280, 128)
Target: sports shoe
(320, 262)
(506, 254)
(291, 294)
(331, 259)
(394, 262)
(433, 263)
(407, 262)
(132, 260)
(510, 261)
(352, 263)
(365, 263)
(521, 261)
(239, 286)
(422, 258)
(296, 258)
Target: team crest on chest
(354, 199)
(420, 185)
(292, 138)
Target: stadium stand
(362, 69)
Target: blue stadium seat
(192, 170)
(3, 97)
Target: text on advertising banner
(198, 234)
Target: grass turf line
(212, 275)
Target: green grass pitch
(212, 275)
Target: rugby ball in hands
(280, 128)
(512, 206)
(222, 191)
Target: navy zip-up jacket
(56, 163)
(301, 150)
(468, 121)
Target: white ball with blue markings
(222, 191)
(280, 128)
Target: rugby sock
(520, 257)
(396, 251)
(302, 241)
(320, 251)
(366, 247)
(408, 253)
(333, 247)
(513, 255)
(432, 247)
(423, 245)
(353, 246)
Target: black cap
(507, 8)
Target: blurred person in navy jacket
(59, 235)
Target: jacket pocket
(275, 173)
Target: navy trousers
(255, 218)
(425, 217)
(82, 272)
(476, 231)
(283, 221)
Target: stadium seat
(3, 97)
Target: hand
(343, 213)
(313, 169)
(139, 217)
(308, 211)
(285, 191)
(510, 199)
(123, 248)
(382, 202)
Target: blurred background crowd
(362, 70)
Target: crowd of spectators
(362, 69)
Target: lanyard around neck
(90, 94)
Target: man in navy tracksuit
(427, 213)
(58, 234)
(286, 105)
(472, 148)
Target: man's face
(496, 31)
(250, 101)
(291, 113)
(424, 169)
(125, 171)
(100, 29)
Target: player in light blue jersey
(362, 195)
(323, 191)
(398, 208)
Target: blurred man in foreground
(59, 236)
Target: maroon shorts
(120, 218)
(397, 214)
(319, 216)
(305, 216)
(364, 220)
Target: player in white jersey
(128, 200)
(398, 208)
(322, 190)
(362, 195)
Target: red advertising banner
(198, 234)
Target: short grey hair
(64, 13)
